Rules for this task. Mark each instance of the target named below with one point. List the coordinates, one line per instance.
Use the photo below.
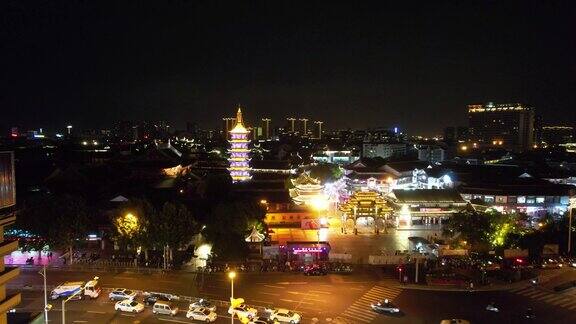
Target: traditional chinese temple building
(368, 207)
(307, 190)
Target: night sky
(415, 64)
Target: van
(165, 308)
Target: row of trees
(60, 222)
(63, 222)
(140, 224)
(483, 231)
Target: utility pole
(416, 275)
(47, 307)
(570, 206)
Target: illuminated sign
(308, 250)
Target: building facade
(239, 151)
(383, 150)
(7, 217)
(509, 126)
(556, 135)
(431, 153)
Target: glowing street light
(232, 275)
(128, 224)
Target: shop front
(306, 252)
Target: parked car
(121, 294)
(315, 270)
(201, 314)
(204, 303)
(552, 263)
(164, 308)
(243, 310)
(455, 321)
(130, 306)
(151, 298)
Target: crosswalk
(556, 299)
(360, 311)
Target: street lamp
(571, 206)
(47, 306)
(232, 275)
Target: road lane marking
(129, 315)
(277, 287)
(321, 292)
(174, 320)
(267, 293)
(96, 312)
(78, 321)
(295, 301)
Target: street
(331, 298)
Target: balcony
(9, 303)
(8, 247)
(8, 274)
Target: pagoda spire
(239, 115)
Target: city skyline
(413, 66)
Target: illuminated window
(539, 200)
(521, 199)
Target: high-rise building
(455, 134)
(509, 126)
(7, 217)
(239, 159)
(556, 135)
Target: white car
(455, 321)
(284, 315)
(259, 320)
(121, 294)
(243, 310)
(201, 314)
(203, 303)
(128, 305)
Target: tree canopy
(483, 231)
(60, 222)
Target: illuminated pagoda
(307, 190)
(239, 159)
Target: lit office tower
(266, 127)
(509, 126)
(304, 126)
(319, 129)
(239, 159)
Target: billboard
(7, 180)
(515, 253)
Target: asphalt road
(328, 299)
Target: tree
(229, 224)
(471, 226)
(484, 231)
(60, 221)
(131, 222)
(326, 172)
(172, 227)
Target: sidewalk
(544, 277)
